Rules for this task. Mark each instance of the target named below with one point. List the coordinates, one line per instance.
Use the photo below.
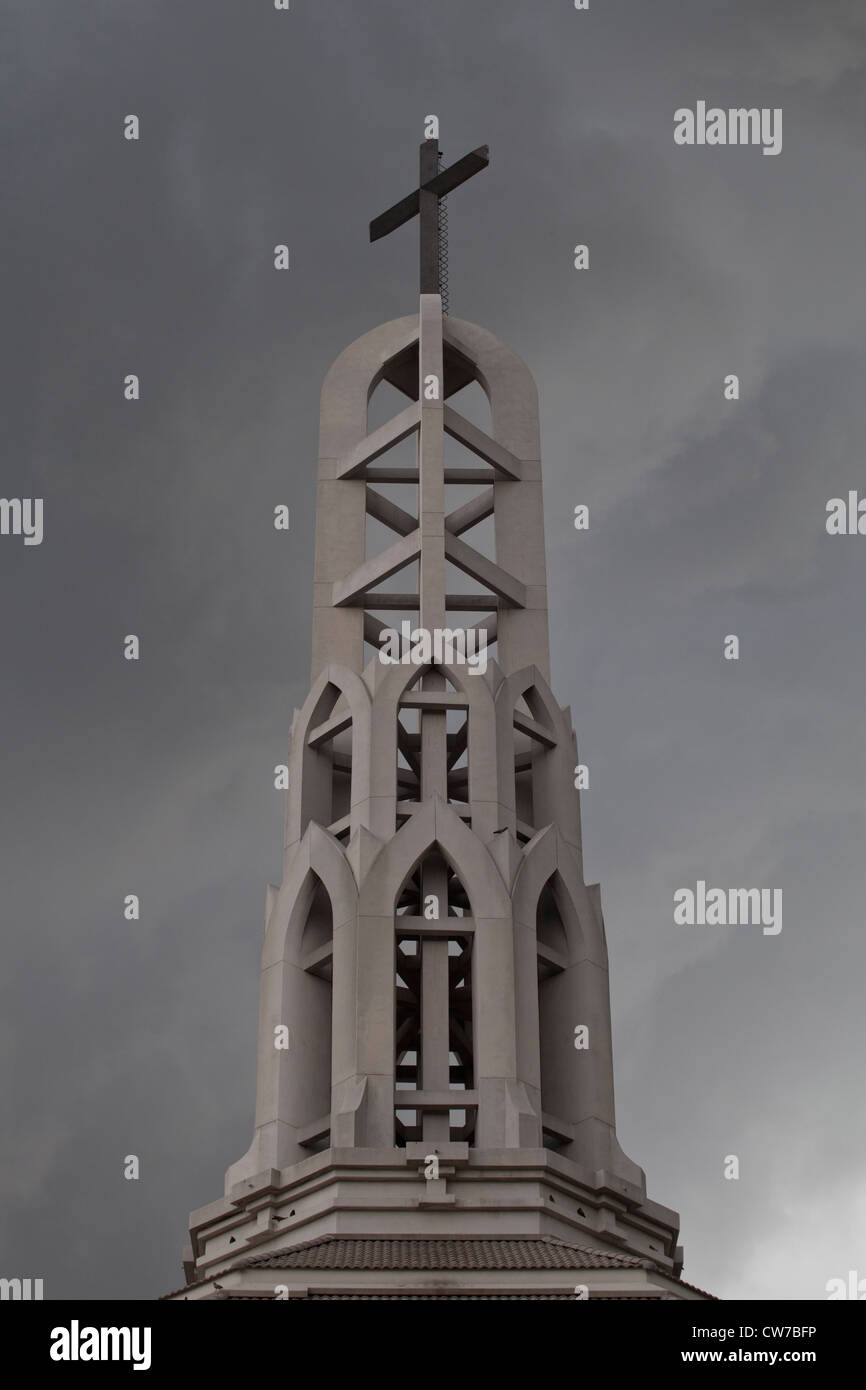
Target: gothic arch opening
(318, 928)
(550, 929)
(433, 1005)
(534, 736)
(327, 775)
(555, 1040)
(311, 1034)
(453, 773)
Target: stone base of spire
(384, 1196)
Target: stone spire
(434, 1040)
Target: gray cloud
(706, 518)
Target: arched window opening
(534, 736)
(327, 774)
(317, 947)
(552, 950)
(341, 779)
(549, 926)
(448, 769)
(433, 1005)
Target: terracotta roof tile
(383, 1253)
(440, 1253)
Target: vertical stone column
(435, 991)
(341, 510)
(519, 509)
(431, 455)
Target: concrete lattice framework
(433, 946)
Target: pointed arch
(548, 856)
(329, 764)
(550, 928)
(572, 989)
(319, 856)
(535, 767)
(434, 1049)
(303, 984)
(435, 823)
(530, 684)
(467, 1033)
(477, 693)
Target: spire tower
(435, 1101)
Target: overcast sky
(706, 518)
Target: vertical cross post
(429, 217)
(434, 183)
(435, 988)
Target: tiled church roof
(440, 1253)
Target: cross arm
(395, 216)
(441, 184)
(458, 173)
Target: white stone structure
(433, 946)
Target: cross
(433, 184)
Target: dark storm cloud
(706, 518)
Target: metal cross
(433, 184)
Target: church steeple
(434, 1040)
(433, 185)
